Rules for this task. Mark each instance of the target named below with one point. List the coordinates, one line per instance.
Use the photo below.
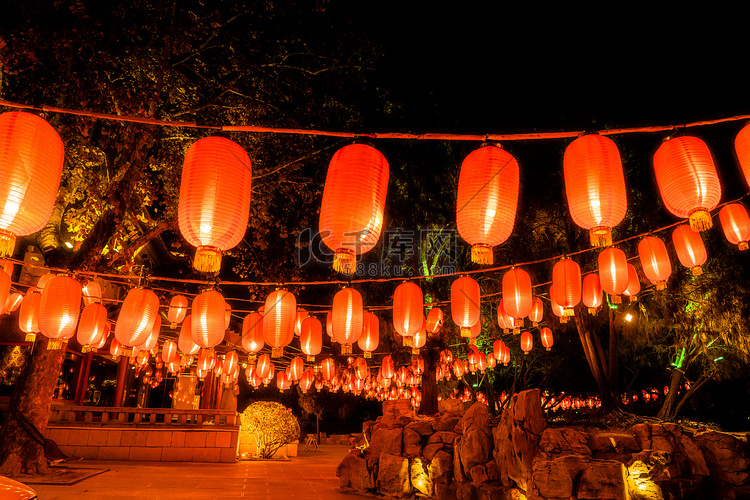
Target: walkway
(312, 475)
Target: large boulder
(393, 476)
(421, 427)
(477, 416)
(412, 443)
(353, 473)
(727, 457)
(472, 448)
(446, 437)
(563, 441)
(446, 421)
(441, 468)
(386, 440)
(579, 477)
(431, 449)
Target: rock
(367, 429)
(402, 421)
(478, 415)
(357, 440)
(421, 480)
(563, 441)
(446, 437)
(450, 404)
(473, 448)
(466, 491)
(603, 479)
(441, 468)
(421, 427)
(386, 440)
(727, 457)
(412, 443)
(661, 439)
(580, 477)
(695, 462)
(445, 492)
(446, 422)
(491, 468)
(642, 435)
(478, 475)
(353, 473)
(396, 408)
(608, 442)
(459, 473)
(490, 491)
(393, 476)
(431, 449)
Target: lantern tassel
(207, 259)
(700, 220)
(615, 299)
(600, 236)
(367, 354)
(345, 262)
(482, 254)
(569, 312)
(277, 352)
(466, 332)
(408, 342)
(743, 245)
(311, 359)
(7, 243)
(697, 270)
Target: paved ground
(312, 475)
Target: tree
(272, 424)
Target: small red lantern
(408, 317)
(169, 352)
(282, 381)
(28, 316)
(742, 147)
(527, 342)
(92, 325)
(690, 249)
(252, 333)
(566, 279)
(92, 293)
(177, 311)
(351, 215)
(301, 315)
(487, 200)
(347, 318)
(418, 341)
(59, 308)
(613, 272)
(736, 224)
(546, 334)
(591, 292)
(13, 302)
(434, 320)
(185, 340)
(208, 325)
(386, 368)
(517, 299)
(263, 366)
(214, 202)
(370, 338)
(634, 284)
(655, 261)
(296, 368)
(137, 316)
(536, 315)
(311, 337)
(328, 369)
(279, 316)
(687, 180)
(306, 381)
(231, 362)
(465, 304)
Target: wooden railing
(138, 417)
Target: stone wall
(159, 445)
(457, 455)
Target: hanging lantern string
(373, 135)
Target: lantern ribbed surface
(742, 148)
(591, 292)
(434, 319)
(252, 333)
(92, 293)
(28, 316)
(537, 310)
(214, 202)
(177, 311)
(687, 180)
(736, 224)
(387, 368)
(12, 302)
(92, 324)
(263, 366)
(328, 368)
(279, 316)
(502, 316)
(208, 325)
(527, 342)
(465, 303)
(613, 272)
(185, 340)
(546, 335)
(231, 362)
(351, 214)
(517, 299)
(407, 309)
(595, 186)
(370, 338)
(169, 352)
(137, 316)
(655, 261)
(301, 315)
(311, 337)
(60, 308)
(690, 248)
(5, 282)
(557, 309)
(634, 284)
(296, 368)
(566, 279)
(31, 163)
(347, 316)
(487, 200)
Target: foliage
(272, 424)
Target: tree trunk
(22, 440)
(614, 348)
(691, 392)
(668, 408)
(429, 404)
(596, 364)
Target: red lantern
(185, 340)
(690, 249)
(434, 320)
(613, 272)
(177, 311)
(13, 302)
(263, 366)
(31, 163)
(214, 199)
(282, 381)
(347, 318)
(92, 293)
(557, 309)
(736, 224)
(351, 215)
(92, 325)
(465, 304)
(418, 341)
(328, 369)
(527, 342)
(505, 355)
(497, 349)
(566, 279)
(595, 186)
(458, 368)
(169, 352)
(279, 317)
(137, 316)
(252, 333)
(742, 147)
(207, 327)
(231, 362)
(296, 368)
(517, 298)
(370, 338)
(301, 315)
(59, 308)
(306, 381)
(655, 261)
(536, 315)
(387, 368)
(591, 292)
(687, 180)
(487, 200)
(153, 337)
(503, 319)
(546, 334)
(311, 337)
(407, 309)
(5, 283)
(634, 284)
(491, 362)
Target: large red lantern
(465, 304)
(591, 292)
(279, 316)
(208, 313)
(92, 325)
(31, 163)
(613, 272)
(517, 300)
(566, 279)
(177, 311)
(742, 147)
(736, 224)
(347, 318)
(370, 338)
(655, 261)
(252, 333)
(311, 337)
(634, 284)
(687, 180)
(351, 215)
(690, 249)
(407, 309)
(137, 316)
(185, 341)
(487, 200)
(60, 308)
(595, 186)
(214, 199)
(527, 342)
(546, 335)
